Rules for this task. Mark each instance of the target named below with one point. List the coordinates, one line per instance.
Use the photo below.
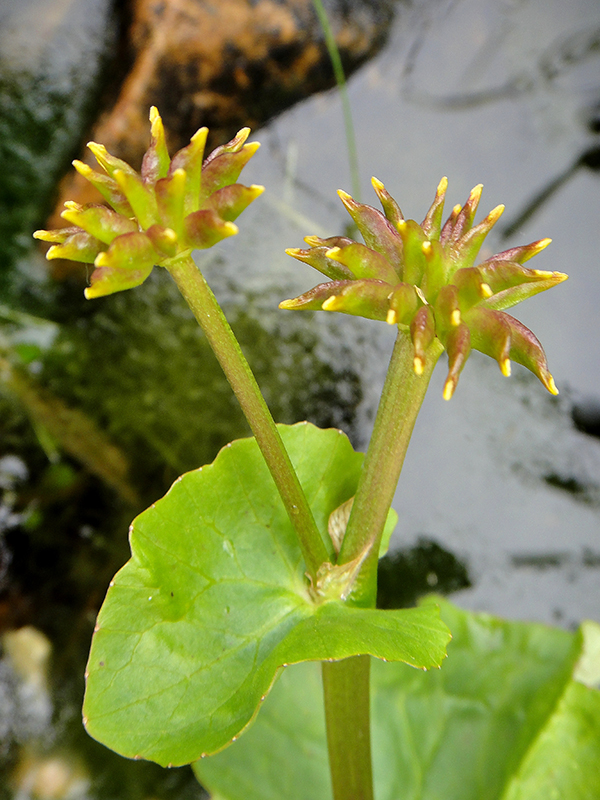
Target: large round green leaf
(504, 719)
(214, 601)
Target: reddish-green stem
(346, 683)
(225, 346)
(401, 400)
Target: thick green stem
(346, 683)
(211, 319)
(401, 400)
(346, 694)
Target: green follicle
(109, 163)
(224, 169)
(422, 332)
(522, 253)
(391, 209)
(432, 224)
(316, 258)
(466, 214)
(413, 238)
(165, 240)
(447, 309)
(156, 161)
(403, 302)
(230, 201)
(189, 159)
(78, 246)
(366, 298)
(107, 187)
(99, 221)
(204, 228)
(363, 262)
(458, 345)
(141, 199)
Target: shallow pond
(499, 500)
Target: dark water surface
(499, 501)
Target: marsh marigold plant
(423, 278)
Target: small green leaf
(214, 601)
(502, 720)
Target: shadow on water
(410, 573)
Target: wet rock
(407, 574)
(50, 61)
(586, 416)
(224, 64)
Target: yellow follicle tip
(455, 318)
(313, 241)
(333, 252)
(456, 210)
(426, 248)
(97, 149)
(505, 367)
(442, 186)
(377, 184)
(476, 192)
(544, 273)
(418, 365)
(155, 121)
(251, 147)
(344, 196)
(82, 169)
(449, 388)
(550, 385)
(494, 215)
(286, 304)
(391, 317)
(329, 304)
(401, 225)
(541, 245)
(486, 290)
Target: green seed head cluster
(423, 279)
(157, 216)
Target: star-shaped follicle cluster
(423, 278)
(173, 206)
